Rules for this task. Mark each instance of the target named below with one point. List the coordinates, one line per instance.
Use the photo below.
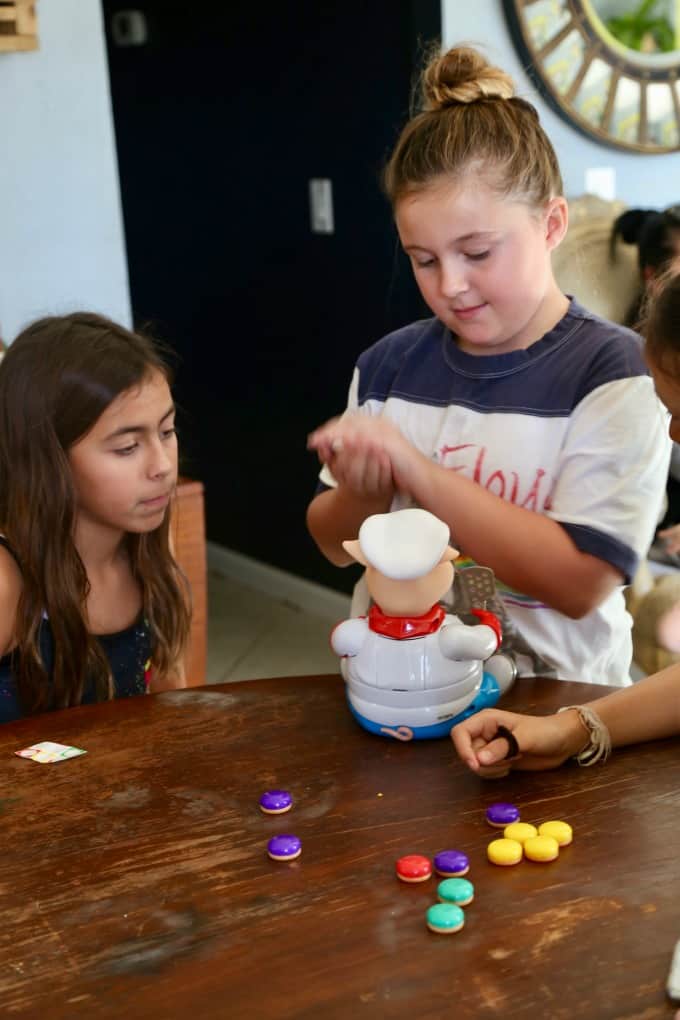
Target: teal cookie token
(456, 890)
(445, 918)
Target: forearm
(649, 710)
(336, 515)
(526, 550)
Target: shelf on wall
(18, 26)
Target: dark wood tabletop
(135, 881)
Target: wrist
(364, 504)
(574, 733)
(417, 478)
(599, 744)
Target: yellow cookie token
(541, 848)
(560, 831)
(504, 852)
(519, 831)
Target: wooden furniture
(135, 880)
(608, 68)
(18, 26)
(188, 533)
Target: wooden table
(135, 881)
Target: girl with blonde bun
(525, 422)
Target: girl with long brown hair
(92, 603)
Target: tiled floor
(251, 635)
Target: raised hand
(368, 455)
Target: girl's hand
(361, 448)
(671, 538)
(357, 433)
(365, 473)
(355, 456)
(544, 742)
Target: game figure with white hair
(413, 670)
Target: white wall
(61, 233)
(641, 180)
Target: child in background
(657, 238)
(526, 423)
(650, 709)
(92, 603)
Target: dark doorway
(222, 117)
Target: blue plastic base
(487, 696)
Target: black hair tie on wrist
(513, 746)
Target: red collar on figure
(403, 627)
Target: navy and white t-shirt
(570, 427)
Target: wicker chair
(582, 263)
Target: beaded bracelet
(600, 745)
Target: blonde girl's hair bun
(462, 75)
(467, 117)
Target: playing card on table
(48, 752)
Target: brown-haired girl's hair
(56, 379)
(470, 119)
(660, 323)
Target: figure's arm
(649, 710)
(348, 637)
(461, 642)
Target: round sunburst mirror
(610, 67)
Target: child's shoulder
(10, 590)
(401, 342)
(592, 355)
(612, 350)
(390, 356)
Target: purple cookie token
(451, 863)
(284, 847)
(275, 802)
(499, 815)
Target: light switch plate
(321, 205)
(601, 181)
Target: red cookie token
(414, 868)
